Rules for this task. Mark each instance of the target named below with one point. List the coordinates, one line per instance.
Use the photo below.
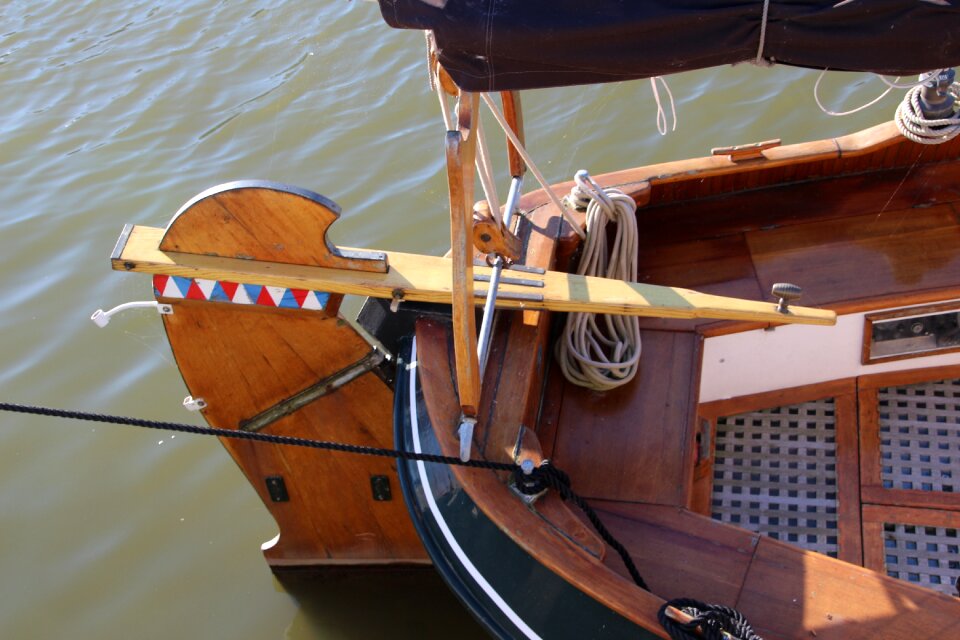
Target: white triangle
(206, 286)
(172, 290)
(240, 295)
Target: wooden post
(461, 150)
(514, 116)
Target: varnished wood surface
(849, 533)
(242, 360)
(260, 220)
(421, 278)
(461, 151)
(680, 554)
(555, 548)
(643, 429)
(794, 594)
(784, 591)
(511, 391)
(513, 113)
(902, 251)
(739, 242)
(787, 592)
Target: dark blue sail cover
(492, 45)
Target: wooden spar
(419, 278)
(461, 151)
(514, 116)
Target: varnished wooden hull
(506, 588)
(866, 223)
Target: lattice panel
(920, 436)
(928, 556)
(775, 473)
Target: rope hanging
(916, 127)
(603, 352)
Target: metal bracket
(315, 391)
(194, 404)
(277, 489)
(380, 486)
(465, 431)
(527, 466)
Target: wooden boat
(802, 473)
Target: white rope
(483, 162)
(531, 165)
(661, 114)
(891, 85)
(603, 352)
(485, 169)
(915, 126)
(763, 35)
(816, 97)
(910, 85)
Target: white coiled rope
(914, 126)
(602, 351)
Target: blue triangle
(183, 284)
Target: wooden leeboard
(244, 359)
(420, 278)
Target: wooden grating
(920, 436)
(775, 473)
(925, 555)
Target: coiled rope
(602, 351)
(914, 126)
(909, 117)
(709, 621)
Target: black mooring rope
(256, 436)
(546, 475)
(711, 618)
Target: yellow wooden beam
(420, 278)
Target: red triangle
(299, 295)
(194, 292)
(229, 288)
(160, 283)
(265, 299)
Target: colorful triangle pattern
(222, 291)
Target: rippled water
(120, 112)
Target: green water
(115, 113)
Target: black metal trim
(121, 242)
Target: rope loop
(914, 126)
(602, 352)
(712, 620)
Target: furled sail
(491, 45)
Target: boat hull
(506, 589)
